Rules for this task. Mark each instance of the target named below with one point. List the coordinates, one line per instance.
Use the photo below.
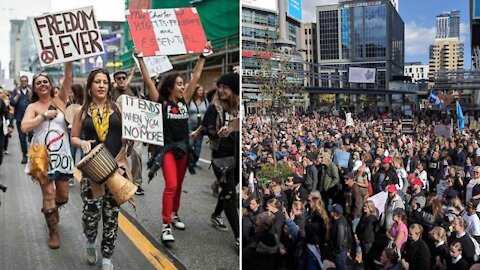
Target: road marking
(205, 161)
(156, 258)
(153, 255)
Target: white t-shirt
(473, 222)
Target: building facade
(417, 71)
(445, 55)
(272, 38)
(308, 33)
(367, 34)
(448, 25)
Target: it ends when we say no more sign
(66, 36)
(142, 120)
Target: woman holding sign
(45, 117)
(174, 97)
(99, 121)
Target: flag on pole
(434, 99)
(461, 119)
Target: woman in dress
(44, 116)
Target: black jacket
(417, 255)
(390, 178)
(310, 178)
(341, 235)
(366, 229)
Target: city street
(24, 235)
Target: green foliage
(277, 174)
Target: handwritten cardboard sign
(156, 64)
(166, 31)
(142, 120)
(66, 36)
(341, 158)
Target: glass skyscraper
(448, 25)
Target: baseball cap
(337, 208)
(387, 160)
(357, 165)
(417, 181)
(391, 188)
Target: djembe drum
(100, 166)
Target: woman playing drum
(174, 97)
(99, 121)
(45, 117)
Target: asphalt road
(24, 234)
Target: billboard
(295, 9)
(476, 9)
(361, 75)
(267, 5)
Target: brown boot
(59, 206)
(51, 216)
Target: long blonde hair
(319, 207)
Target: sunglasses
(41, 74)
(121, 78)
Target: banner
(156, 64)
(66, 36)
(341, 158)
(379, 200)
(442, 131)
(407, 126)
(166, 31)
(349, 120)
(388, 125)
(361, 75)
(142, 120)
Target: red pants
(173, 173)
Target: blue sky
(419, 17)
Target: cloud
(309, 8)
(465, 33)
(418, 39)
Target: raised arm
(131, 75)
(152, 91)
(66, 88)
(197, 72)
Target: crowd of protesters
(402, 201)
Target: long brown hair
(35, 97)
(231, 105)
(88, 88)
(319, 207)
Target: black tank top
(113, 141)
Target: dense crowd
(398, 201)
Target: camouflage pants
(93, 210)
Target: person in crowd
(429, 216)
(365, 232)
(456, 261)
(401, 174)
(393, 202)
(353, 200)
(385, 176)
(418, 198)
(389, 259)
(330, 180)
(4, 123)
(473, 186)
(459, 234)
(311, 174)
(410, 161)
(196, 112)
(469, 214)
(319, 215)
(44, 116)
(417, 254)
(439, 250)
(20, 99)
(341, 237)
(174, 155)
(76, 97)
(361, 177)
(398, 233)
(99, 121)
(423, 176)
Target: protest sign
(66, 36)
(166, 31)
(407, 126)
(29, 76)
(379, 200)
(349, 120)
(387, 125)
(142, 120)
(156, 64)
(442, 131)
(341, 158)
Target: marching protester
(221, 122)
(122, 81)
(99, 122)
(51, 163)
(20, 100)
(174, 155)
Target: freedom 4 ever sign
(166, 31)
(66, 36)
